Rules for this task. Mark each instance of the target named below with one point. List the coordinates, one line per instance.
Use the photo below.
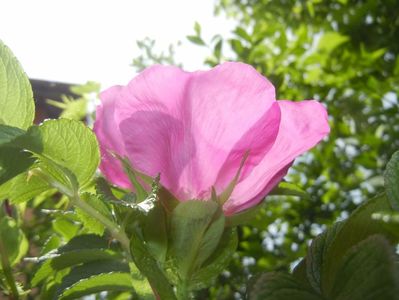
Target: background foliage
(345, 54)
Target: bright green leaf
(16, 98)
(189, 223)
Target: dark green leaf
(99, 283)
(13, 162)
(317, 255)
(92, 270)
(279, 286)
(368, 272)
(155, 233)
(391, 178)
(9, 133)
(356, 228)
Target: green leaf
(148, 266)
(80, 249)
(279, 286)
(86, 241)
(356, 228)
(217, 50)
(368, 272)
(196, 40)
(140, 284)
(239, 31)
(317, 255)
(71, 283)
(391, 179)
(65, 227)
(289, 189)
(197, 28)
(88, 221)
(13, 162)
(59, 261)
(189, 224)
(141, 193)
(16, 98)
(25, 187)
(9, 133)
(99, 283)
(217, 262)
(70, 144)
(155, 233)
(331, 40)
(13, 240)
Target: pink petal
(225, 107)
(303, 125)
(119, 103)
(193, 128)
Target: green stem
(5, 263)
(114, 229)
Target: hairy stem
(116, 232)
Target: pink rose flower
(195, 128)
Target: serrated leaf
(367, 272)
(317, 255)
(86, 241)
(99, 283)
(70, 144)
(391, 180)
(279, 286)
(59, 261)
(148, 266)
(16, 98)
(89, 271)
(92, 247)
(299, 272)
